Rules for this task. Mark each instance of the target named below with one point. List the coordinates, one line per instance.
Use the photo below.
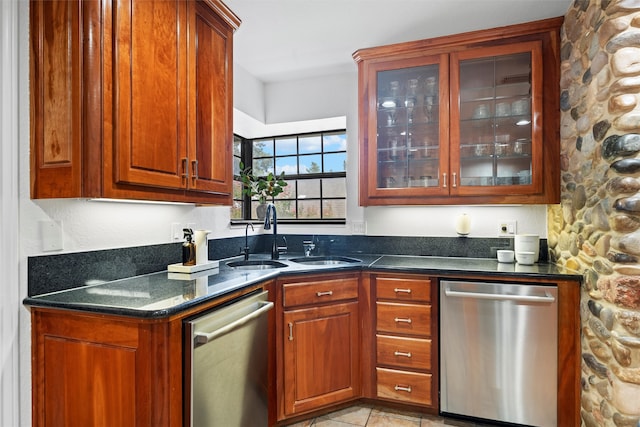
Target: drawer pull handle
(403, 388)
(402, 320)
(322, 294)
(403, 291)
(185, 169)
(401, 353)
(194, 166)
(454, 178)
(290, 331)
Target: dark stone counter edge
(142, 314)
(372, 266)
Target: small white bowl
(525, 258)
(505, 255)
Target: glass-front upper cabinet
(411, 120)
(464, 119)
(496, 137)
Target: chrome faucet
(245, 250)
(275, 249)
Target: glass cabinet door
(494, 136)
(408, 149)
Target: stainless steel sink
(256, 265)
(326, 260)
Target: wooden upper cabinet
(465, 119)
(56, 98)
(150, 92)
(211, 127)
(132, 99)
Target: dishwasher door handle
(201, 338)
(502, 297)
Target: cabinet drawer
(403, 352)
(399, 318)
(404, 386)
(316, 292)
(403, 289)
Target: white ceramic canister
(202, 246)
(526, 243)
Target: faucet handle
(308, 246)
(283, 249)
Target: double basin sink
(310, 260)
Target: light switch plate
(51, 232)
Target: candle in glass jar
(463, 224)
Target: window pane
(309, 188)
(236, 210)
(262, 148)
(336, 162)
(286, 209)
(236, 165)
(262, 167)
(286, 146)
(288, 165)
(311, 164)
(334, 209)
(309, 209)
(237, 146)
(334, 187)
(335, 142)
(310, 144)
(289, 191)
(237, 190)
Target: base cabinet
(319, 338)
(405, 342)
(92, 369)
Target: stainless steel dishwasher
(498, 352)
(226, 365)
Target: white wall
(9, 290)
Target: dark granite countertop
(163, 294)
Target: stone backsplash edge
(56, 272)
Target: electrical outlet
(358, 227)
(507, 228)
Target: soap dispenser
(188, 248)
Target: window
(315, 171)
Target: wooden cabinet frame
(545, 187)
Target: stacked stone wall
(596, 228)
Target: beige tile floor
(373, 416)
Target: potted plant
(264, 187)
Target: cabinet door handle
(403, 291)
(185, 168)
(194, 166)
(402, 320)
(444, 180)
(322, 294)
(453, 180)
(406, 388)
(401, 353)
(290, 331)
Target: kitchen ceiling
(281, 40)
